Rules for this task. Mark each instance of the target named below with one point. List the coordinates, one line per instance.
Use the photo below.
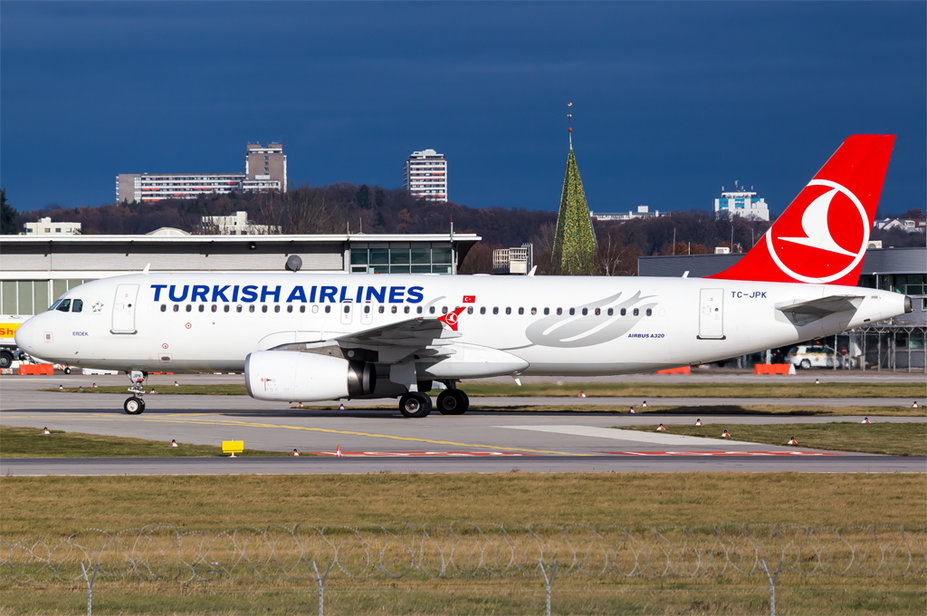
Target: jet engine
(306, 377)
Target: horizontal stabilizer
(805, 311)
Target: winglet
(822, 236)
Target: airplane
(301, 337)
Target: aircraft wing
(805, 311)
(396, 341)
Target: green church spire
(574, 241)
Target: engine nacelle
(306, 377)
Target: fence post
(90, 581)
(772, 585)
(548, 581)
(321, 580)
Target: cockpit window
(64, 305)
(77, 305)
(55, 305)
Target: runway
(373, 441)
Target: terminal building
(35, 271)
(895, 344)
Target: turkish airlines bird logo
(827, 241)
(450, 319)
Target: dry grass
(56, 506)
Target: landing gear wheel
(134, 406)
(453, 402)
(415, 404)
(805, 364)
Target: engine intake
(306, 377)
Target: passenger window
(585, 311)
(202, 307)
(559, 310)
(176, 307)
(534, 310)
(328, 309)
(163, 308)
(598, 311)
(431, 309)
(251, 308)
(470, 310)
(302, 309)
(636, 312)
(649, 312)
(546, 311)
(482, 309)
(315, 308)
(347, 308)
(521, 310)
(238, 308)
(227, 308)
(409, 308)
(77, 305)
(508, 310)
(624, 311)
(263, 307)
(276, 307)
(443, 309)
(611, 311)
(572, 311)
(189, 307)
(495, 310)
(394, 309)
(215, 308)
(64, 306)
(289, 308)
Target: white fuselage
(513, 325)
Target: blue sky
(671, 100)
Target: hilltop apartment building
(265, 169)
(425, 175)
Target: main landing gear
(449, 402)
(134, 405)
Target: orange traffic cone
(698, 422)
(45, 430)
(660, 428)
(792, 441)
(338, 452)
(295, 452)
(725, 434)
(865, 420)
(174, 443)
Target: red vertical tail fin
(822, 236)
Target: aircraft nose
(28, 336)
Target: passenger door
(124, 309)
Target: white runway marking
(659, 438)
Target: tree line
(347, 208)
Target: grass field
(914, 390)
(16, 442)
(56, 507)
(899, 439)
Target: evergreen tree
(574, 250)
(7, 216)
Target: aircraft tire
(134, 406)
(415, 404)
(453, 402)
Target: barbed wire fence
(309, 555)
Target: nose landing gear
(134, 405)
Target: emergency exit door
(711, 314)
(124, 309)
